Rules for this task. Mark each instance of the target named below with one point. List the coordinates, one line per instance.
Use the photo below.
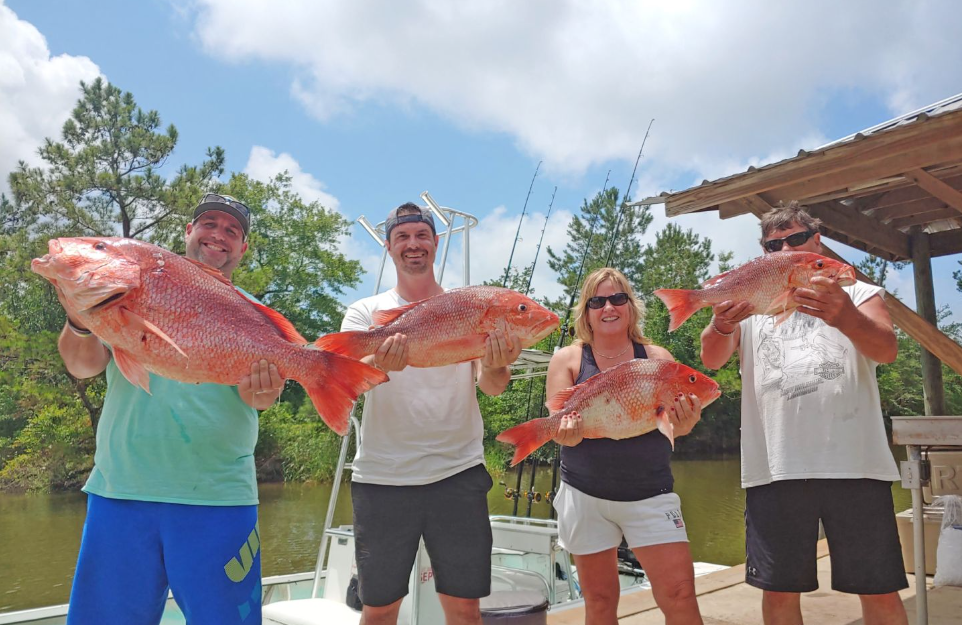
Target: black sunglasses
(226, 199)
(794, 240)
(598, 301)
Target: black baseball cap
(412, 213)
(225, 204)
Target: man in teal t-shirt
(172, 498)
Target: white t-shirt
(424, 424)
(810, 402)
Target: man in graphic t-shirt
(420, 470)
(813, 442)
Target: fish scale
(629, 399)
(165, 314)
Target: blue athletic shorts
(132, 552)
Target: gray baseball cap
(410, 213)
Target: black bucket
(514, 607)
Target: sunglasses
(598, 301)
(794, 240)
(226, 199)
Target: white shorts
(588, 524)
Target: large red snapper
(450, 327)
(767, 282)
(183, 320)
(627, 400)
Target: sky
(366, 104)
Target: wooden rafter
(920, 219)
(945, 243)
(839, 218)
(925, 205)
(936, 187)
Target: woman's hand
(684, 414)
(570, 430)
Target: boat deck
(725, 599)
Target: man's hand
(500, 350)
(392, 355)
(827, 301)
(729, 314)
(262, 387)
(570, 430)
(684, 414)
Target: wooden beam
(923, 332)
(936, 187)
(727, 210)
(932, 387)
(838, 217)
(912, 192)
(945, 243)
(923, 205)
(920, 219)
(881, 155)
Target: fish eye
(523, 307)
(819, 263)
(692, 378)
(100, 246)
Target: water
(40, 534)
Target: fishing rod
(527, 410)
(624, 198)
(507, 270)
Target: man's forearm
(493, 381)
(84, 356)
(872, 338)
(717, 349)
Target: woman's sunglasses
(598, 301)
(794, 240)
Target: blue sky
(369, 103)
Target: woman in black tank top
(624, 487)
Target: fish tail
(351, 344)
(681, 304)
(335, 382)
(529, 436)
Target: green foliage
(877, 268)
(295, 445)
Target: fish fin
(681, 303)
(279, 321)
(210, 271)
(783, 316)
(557, 401)
(716, 279)
(384, 317)
(529, 436)
(135, 372)
(141, 324)
(334, 383)
(781, 302)
(665, 426)
(346, 344)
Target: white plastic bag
(949, 555)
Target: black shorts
(451, 514)
(781, 532)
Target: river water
(40, 534)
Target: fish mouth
(846, 277)
(107, 301)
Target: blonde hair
(636, 307)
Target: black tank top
(629, 469)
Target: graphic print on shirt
(796, 357)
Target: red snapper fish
(629, 399)
(451, 327)
(183, 320)
(767, 282)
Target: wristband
(719, 332)
(81, 332)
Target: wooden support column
(925, 304)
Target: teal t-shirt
(183, 443)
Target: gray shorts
(451, 515)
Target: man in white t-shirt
(420, 470)
(813, 441)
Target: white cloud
(37, 91)
(576, 83)
(263, 164)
